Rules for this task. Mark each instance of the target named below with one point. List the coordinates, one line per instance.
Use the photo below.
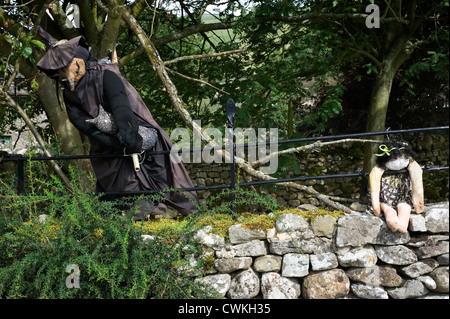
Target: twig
(201, 56)
(197, 80)
(16, 5)
(309, 147)
(165, 284)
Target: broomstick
(136, 165)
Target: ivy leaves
(24, 47)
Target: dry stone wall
(354, 256)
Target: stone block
(369, 291)
(245, 285)
(357, 230)
(267, 263)
(437, 220)
(411, 289)
(295, 265)
(440, 276)
(420, 268)
(274, 286)
(290, 223)
(324, 226)
(357, 257)
(239, 235)
(323, 261)
(253, 248)
(220, 283)
(385, 276)
(396, 255)
(330, 284)
(228, 265)
(417, 223)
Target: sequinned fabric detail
(105, 122)
(149, 137)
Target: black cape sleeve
(116, 98)
(78, 118)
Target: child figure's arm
(415, 172)
(375, 185)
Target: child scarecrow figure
(96, 92)
(396, 194)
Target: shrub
(94, 236)
(40, 256)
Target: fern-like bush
(51, 233)
(96, 237)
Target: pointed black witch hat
(59, 53)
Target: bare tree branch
(11, 103)
(201, 56)
(179, 106)
(311, 147)
(193, 19)
(89, 19)
(326, 15)
(197, 80)
(60, 17)
(139, 5)
(177, 36)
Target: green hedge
(38, 258)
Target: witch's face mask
(73, 72)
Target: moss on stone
(310, 215)
(221, 222)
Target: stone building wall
(353, 256)
(432, 150)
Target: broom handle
(136, 165)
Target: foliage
(103, 241)
(282, 62)
(100, 238)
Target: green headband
(386, 150)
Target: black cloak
(119, 97)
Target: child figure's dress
(394, 189)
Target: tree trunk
(72, 141)
(381, 91)
(377, 114)
(110, 30)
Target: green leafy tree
(343, 28)
(290, 51)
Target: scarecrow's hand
(133, 142)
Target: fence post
(231, 111)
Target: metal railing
(232, 185)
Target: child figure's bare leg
(391, 217)
(404, 213)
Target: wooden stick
(136, 165)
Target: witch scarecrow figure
(396, 194)
(96, 92)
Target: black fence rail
(21, 160)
